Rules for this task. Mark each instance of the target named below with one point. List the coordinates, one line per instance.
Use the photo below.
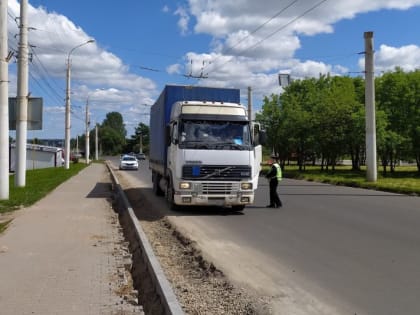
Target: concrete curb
(142, 252)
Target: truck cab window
(215, 134)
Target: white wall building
(38, 156)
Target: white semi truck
(203, 149)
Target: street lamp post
(67, 118)
(96, 142)
(87, 131)
(87, 137)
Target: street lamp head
(80, 45)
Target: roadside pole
(249, 104)
(4, 104)
(87, 140)
(96, 142)
(371, 168)
(22, 98)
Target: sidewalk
(64, 254)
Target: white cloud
(54, 109)
(405, 57)
(248, 46)
(309, 69)
(174, 69)
(387, 58)
(53, 37)
(249, 14)
(253, 41)
(183, 21)
(276, 22)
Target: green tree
(298, 101)
(270, 119)
(325, 118)
(356, 138)
(112, 134)
(413, 100)
(140, 132)
(398, 96)
(332, 117)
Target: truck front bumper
(214, 194)
(204, 200)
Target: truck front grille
(216, 172)
(209, 188)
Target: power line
(276, 31)
(37, 66)
(44, 74)
(205, 76)
(41, 87)
(14, 18)
(49, 90)
(76, 116)
(289, 23)
(253, 32)
(258, 28)
(12, 44)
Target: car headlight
(184, 185)
(246, 186)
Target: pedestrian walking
(274, 176)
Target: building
(38, 156)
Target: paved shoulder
(59, 255)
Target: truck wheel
(238, 208)
(170, 192)
(155, 181)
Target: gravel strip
(201, 288)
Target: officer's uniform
(274, 176)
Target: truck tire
(155, 181)
(238, 208)
(170, 196)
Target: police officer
(274, 176)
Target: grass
(3, 225)
(405, 179)
(39, 183)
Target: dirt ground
(199, 286)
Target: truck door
(172, 148)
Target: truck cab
(212, 159)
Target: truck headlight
(246, 186)
(184, 185)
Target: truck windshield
(203, 134)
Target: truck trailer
(204, 151)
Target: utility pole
(67, 118)
(22, 98)
(87, 146)
(249, 103)
(371, 168)
(4, 104)
(96, 142)
(68, 105)
(141, 142)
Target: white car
(128, 162)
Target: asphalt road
(329, 250)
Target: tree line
(323, 119)
(112, 136)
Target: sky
(142, 45)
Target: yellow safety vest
(278, 174)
